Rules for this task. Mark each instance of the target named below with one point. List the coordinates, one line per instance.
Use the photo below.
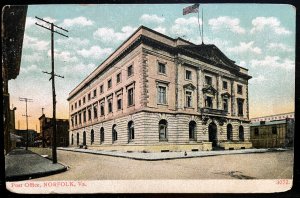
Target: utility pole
(52, 25)
(26, 115)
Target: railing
(207, 110)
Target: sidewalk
(168, 155)
(21, 165)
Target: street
(271, 165)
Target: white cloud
(279, 46)
(245, 47)
(30, 21)
(31, 68)
(185, 26)
(273, 61)
(233, 24)
(63, 56)
(259, 24)
(160, 29)
(35, 43)
(146, 18)
(78, 21)
(79, 69)
(108, 35)
(74, 42)
(95, 52)
(32, 57)
(258, 79)
(243, 64)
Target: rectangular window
(72, 120)
(188, 99)
(129, 70)
(79, 116)
(109, 84)
(83, 100)
(101, 89)
(89, 96)
(162, 97)
(188, 75)
(79, 103)
(162, 68)
(118, 77)
(95, 92)
(224, 84)
(209, 102)
(72, 107)
(75, 105)
(119, 104)
(95, 111)
(130, 97)
(240, 107)
(89, 114)
(84, 116)
(110, 107)
(75, 119)
(274, 130)
(208, 80)
(256, 131)
(225, 104)
(239, 89)
(102, 109)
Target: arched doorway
(92, 136)
(84, 138)
(212, 133)
(77, 140)
(163, 136)
(229, 132)
(192, 130)
(241, 133)
(114, 133)
(101, 135)
(130, 131)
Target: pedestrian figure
(185, 154)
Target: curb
(172, 158)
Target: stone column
(219, 88)
(232, 98)
(200, 84)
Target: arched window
(163, 136)
(229, 132)
(77, 139)
(130, 130)
(101, 135)
(114, 133)
(241, 133)
(92, 136)
(72, 141)
(192, 130)
(84, 138)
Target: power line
(52, 73)
(26, 115)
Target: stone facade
(157, 93)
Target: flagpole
(199, 26)
(202, 25)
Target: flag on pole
(191, 9)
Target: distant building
(32, 134)
(274, 117)
(273, 131)
(158, 93)
(62, 130)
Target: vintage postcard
(149, 98)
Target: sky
(259, 37)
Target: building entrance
(212, 133)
